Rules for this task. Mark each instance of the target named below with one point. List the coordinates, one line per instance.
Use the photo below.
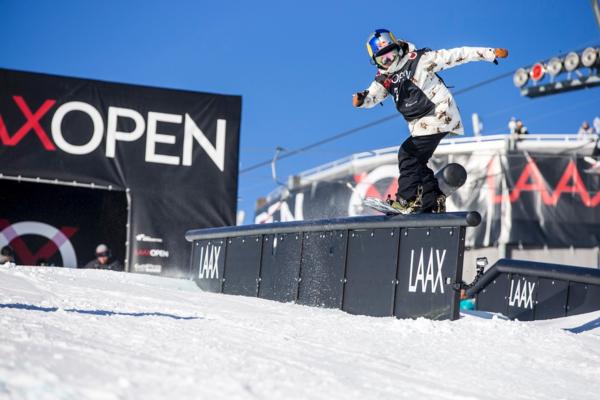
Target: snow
(89, 334)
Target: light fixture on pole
(537, 72)
(589, 57)
(520, 77)
(582, 71)
(571, 61)
(554, 67)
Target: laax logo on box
(209, 262)
(431, 279)
(521, 296)
(147, 124)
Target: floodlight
(571, 61)
(480, 264)
(520, 77)
(481, 261)
(589, 57)
(537, 72)
(554, 66)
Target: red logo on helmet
(382, 43)
(412, 55)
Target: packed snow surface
(89, 334)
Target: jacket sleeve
(377, 93)
(437, 60)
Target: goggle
(387, 58)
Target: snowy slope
(86, 334)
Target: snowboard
(450, 178)
(380, 205)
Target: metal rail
(453, 219)
(542, 270)
(20, 178)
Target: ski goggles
(386, 59)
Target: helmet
(102, 251)
(379, 43)
(7, 251)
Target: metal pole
(128, 232)
(274, 167)
(596, 8)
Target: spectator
(596, 123)
(585, 131)
(7, 255)
(104, 260)
(520, 129)
(512, 125)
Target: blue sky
(297, 63)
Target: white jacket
(445, 117)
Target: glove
(501, 53)
(359, 98)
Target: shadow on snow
(31, 307)
(588, 326)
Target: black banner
(524, 199)
(552, 200)
(44, 225)
(175, 153)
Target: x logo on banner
(25, 255)
(32, 122)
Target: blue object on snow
(467, 304)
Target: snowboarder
(409, 76)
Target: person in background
(520, 129)
(7, 255)
(512, 125)
(596, 123)
(104, 260)
(585, 131)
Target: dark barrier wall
(44, 224)
(527, 291)
(176, 152)
(403, 266)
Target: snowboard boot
(411, 206)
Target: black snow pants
(413, 156)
